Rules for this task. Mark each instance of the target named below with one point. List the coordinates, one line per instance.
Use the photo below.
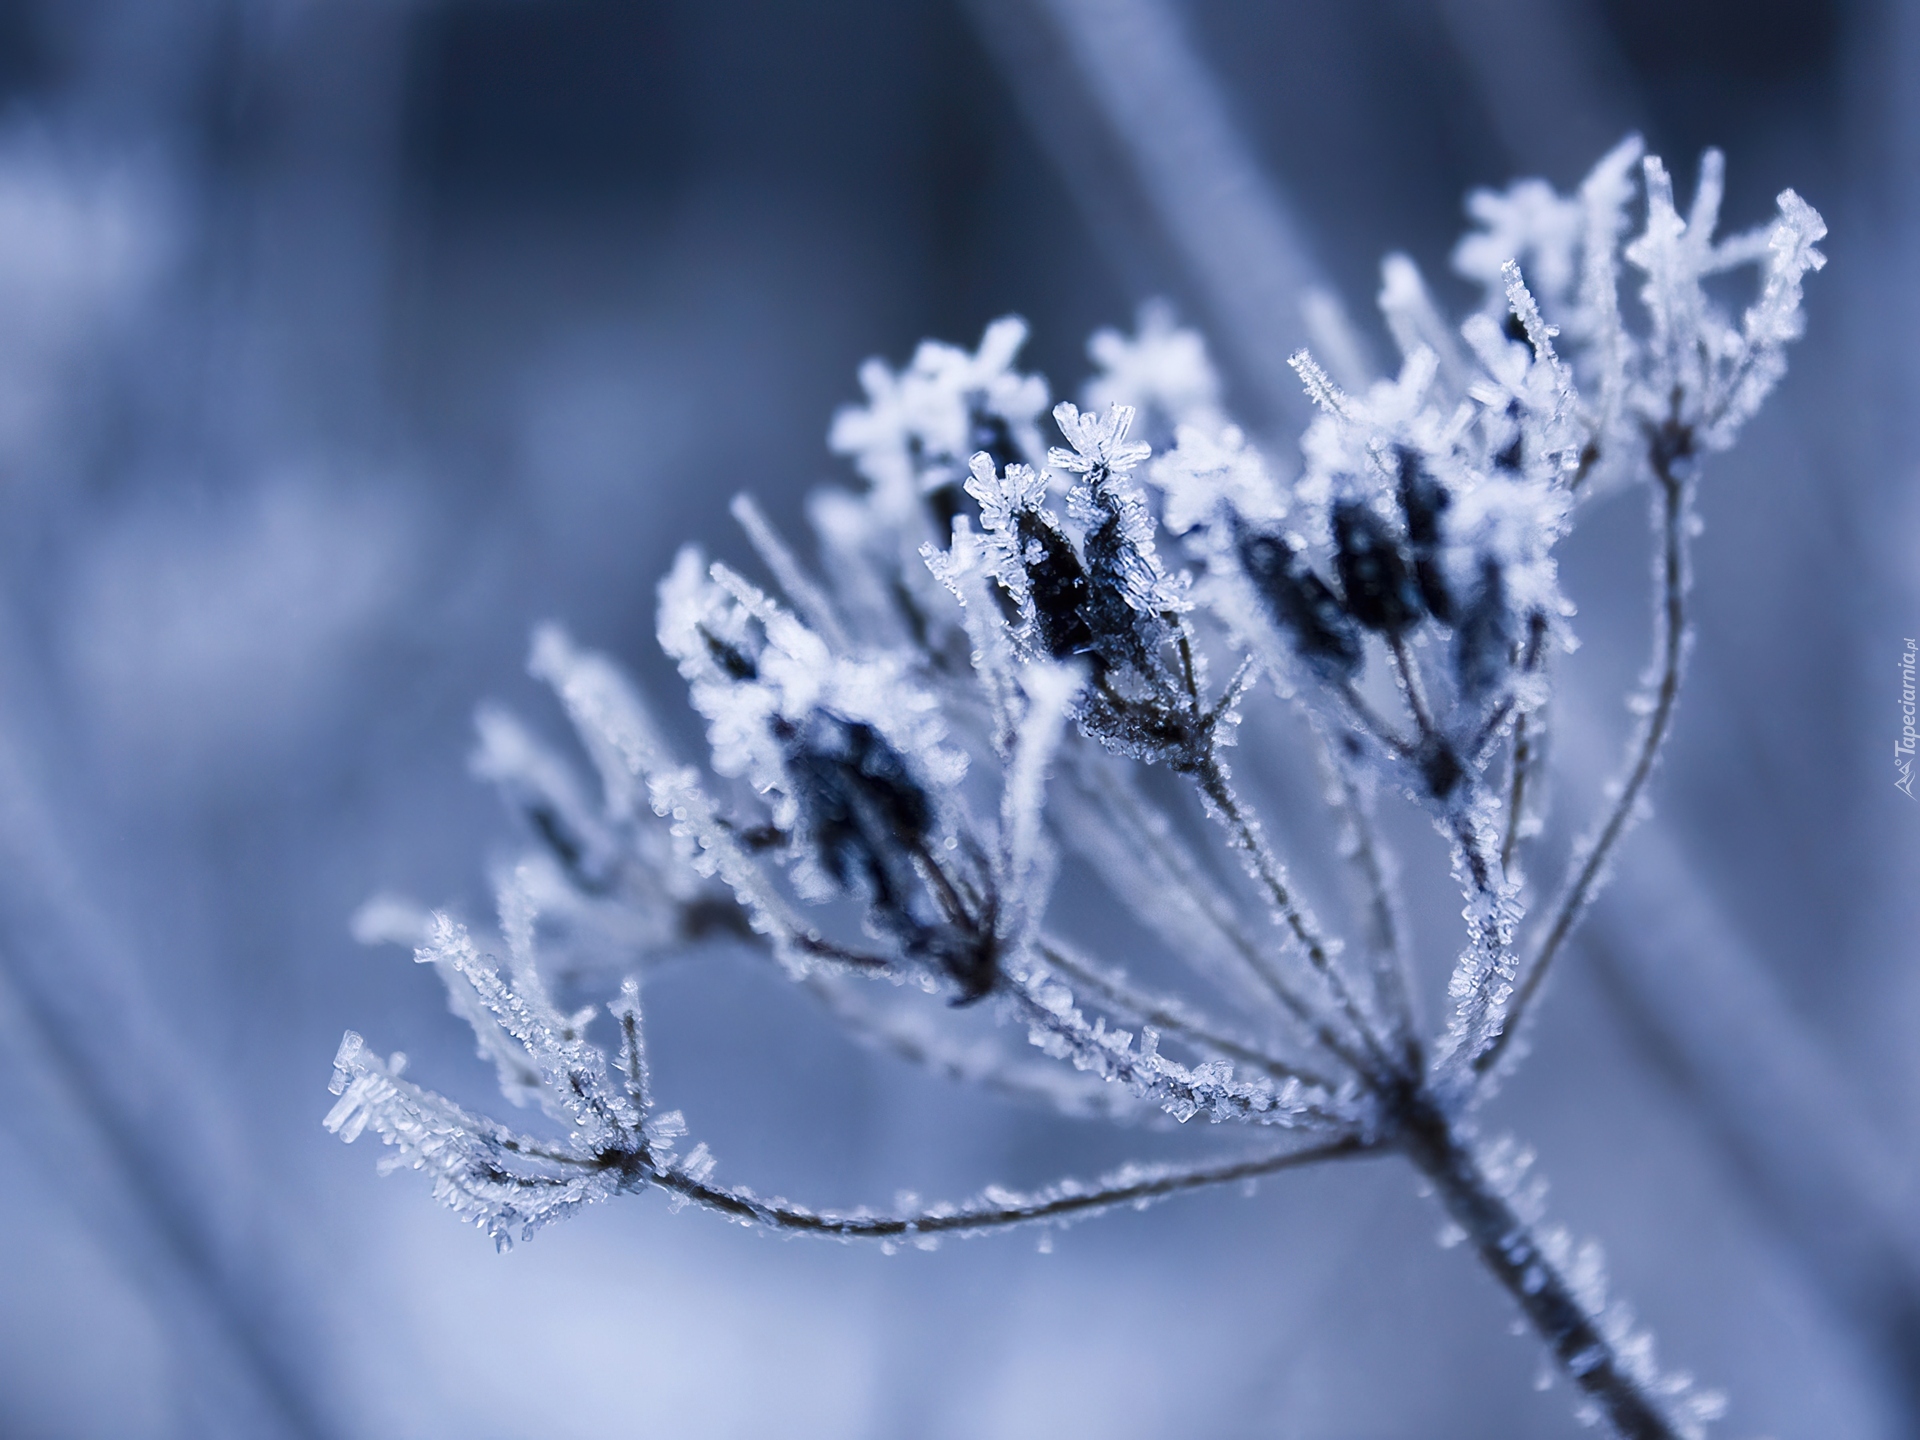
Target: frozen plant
(1011, 637)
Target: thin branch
(1128, 1187)
(1062, 1031)
(1591, 1341)
(808, 598)
(1065, 1092)
(1407, 672)
(1174, 871)
(1272, 875)
(1173, 1017)
(1669, 629)
(1392, 982)
(1372, 722)
(1524, 755)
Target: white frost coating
(386, 919)
(1006, 499)
(1162, 371)
(807, 597)
(1098, 441)
(1215, 471)
(966, 569)
(1528, 223)
(1415, 321)
(1026, 860)
(609, 716)
(890, 773)
(920, 424)
(1105, 459)
(536, 781)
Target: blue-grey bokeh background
(342, 342)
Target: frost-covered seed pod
(1057, 582)
(1423, 499)
(859, 804)
(1114, 624)
(1301, 604)
(1381, 592)
(967, 956)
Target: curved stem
(1054, 1204)
(1669, 628)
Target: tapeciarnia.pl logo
(1903, 749)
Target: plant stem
(1510, 1250)
(1670, 641)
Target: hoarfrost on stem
(1009, 633)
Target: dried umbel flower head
(1009, 635)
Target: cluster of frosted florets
(882, 742)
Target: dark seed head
(969, 958)
(1057, 582)
(859, 803)
(1301, 605)
(1423, 499)
(1116, 626)
(945, 503)
(869, 822)
(1381, 591)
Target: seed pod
(1423, 499)
(869, 821)
(1381, 592)
(968, 957)
(1300, 604)
(1057, 584)
(1483, 638)
(1116, 626)
(859, 804)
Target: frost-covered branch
(1000, 1209)
(1588, 870)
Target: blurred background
(342, 342)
